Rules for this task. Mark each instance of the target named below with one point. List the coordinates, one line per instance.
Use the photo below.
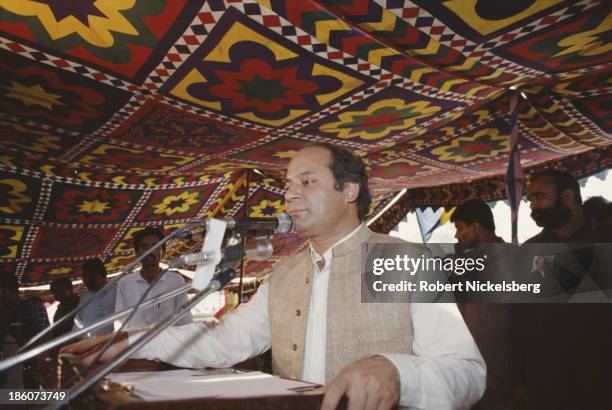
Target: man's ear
(351, 191)
(568, 197)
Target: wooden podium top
(98, 398)
(105, 395)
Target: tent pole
(246, 214)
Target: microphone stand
(35, 351)
(127, 269)
(222, 279)
(74, 311)
(215, 233)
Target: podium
(99, 398)
(106, 395)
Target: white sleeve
(242, 333)
(78, 318)
(446, 370)
(121, 303)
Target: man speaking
(309, 311)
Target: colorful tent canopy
(119, 114)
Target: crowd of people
(309, 310)
(22, 319)
(540, 354)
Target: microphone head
(260, 250)
(285, 223)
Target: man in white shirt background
(416, 354)
(94, 278)
(131, 287)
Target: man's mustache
(150, 258)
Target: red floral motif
(257, 85)
(71, 242)
(72, 206)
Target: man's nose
(291, 194)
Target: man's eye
(308, 181)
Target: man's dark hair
(8, 281)
(95, 265)
(475, 210)
(148, 231)
(348, 167)
(562, 180)
(61, 283)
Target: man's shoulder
(541, 237)
(33, 302)
(376, 237)
(393, 242)
(602, 233)
(30, 300)
(291, 262)
(302, 254)
(129, 278)
(593, 232)
(174, 277)
(112, 289)
(86, 295)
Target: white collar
(315, 257)
(139, 278)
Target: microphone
(259, 250)
(192, 259)
(281, 223)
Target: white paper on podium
(190, 384)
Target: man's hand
(370, 384)
(86, 350)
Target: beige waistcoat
(354, 330)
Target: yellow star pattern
(349, 125)
(185, 200)
(40, 141)
(92, 207)
(97, 32)
(17, 235)
(258, 210)
(587, 43)
(33, 95)
(448, 152)
(15, 196)
(59, 271)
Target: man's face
(61, 293)
(466, 234)
(313, 203)
(547, 208)
(92, 280)
(147, 242)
